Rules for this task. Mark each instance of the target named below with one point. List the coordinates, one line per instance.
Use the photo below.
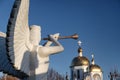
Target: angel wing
(17, 41)
(5, 65)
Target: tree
(54, 75)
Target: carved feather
(18, 35)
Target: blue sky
(97, 22)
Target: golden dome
(80, 61)
(95, 68)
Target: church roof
(80, 61)
(95, 68)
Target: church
(83, 69)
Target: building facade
(82, 69)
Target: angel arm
(49, 50)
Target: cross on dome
(79, 43)
(92, 56)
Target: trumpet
(74, 36)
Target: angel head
(35, 34)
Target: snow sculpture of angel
(22, 44)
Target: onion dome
(94, 67)
(80, 60)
